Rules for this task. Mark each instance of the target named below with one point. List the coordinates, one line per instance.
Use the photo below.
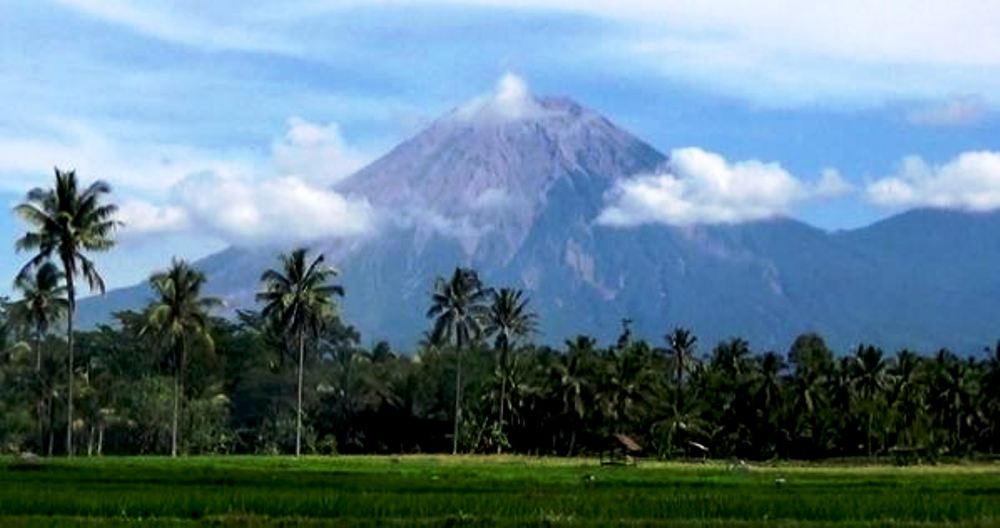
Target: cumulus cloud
(701, 187)
(143, 218)
(165, 188)
(970, 182)
(316, 153)
(952, 112)
(276, 209)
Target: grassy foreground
(473, 491)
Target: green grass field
(472, 491)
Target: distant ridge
(511, 185)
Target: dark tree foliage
(675, 398)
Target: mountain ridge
(511, 185)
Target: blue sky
(182, 104)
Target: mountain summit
(488, 167)
(511, 184)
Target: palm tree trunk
(458, 401)
(680, 379)
(298, 414)
(178, 370)
(71, 293)
(173, 425)
(958, 429)
(503, 389)
(38, 351)
(871, 416)
(52, 425)
(40, 407)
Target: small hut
(621, 450)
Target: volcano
(511, 185)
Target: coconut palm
(509, 319)
(178, 318)
(66, 224)
(768, 401)
(43, 303)
(571, 380)
(459, 312)
(681, 343)
(870, 369)
(298, 300)
(954, 392)
(908, 394)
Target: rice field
(487, 491)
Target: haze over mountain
(512, 184)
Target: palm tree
(571, 379)
(991, 395)
(509, 319)
(908, 395)
(459, 311)
(768, 395)
(43, 302)
(870, 381)
(179, 316)
(681, 343)
(65, 225)
(954, 391)
(298, 300)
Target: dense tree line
(292, 376)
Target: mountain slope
(511, 186)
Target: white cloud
(277, 209)
(775, 52)
(951, 112)
(166, 188)
(957, 32)
(130, 166)
(789, 52)
(315, 153)
(700, 187)
(190, 29)
(143, 218)
(970, 182)
(510, 100)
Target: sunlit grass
(488, 491)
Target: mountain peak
(510, 100)
(487, 169)
(507, 142)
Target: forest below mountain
(291, 375)
(674, 397)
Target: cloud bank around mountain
(282, 209)
(701, 187)
(166, 188)
(968, 182)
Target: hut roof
(628, 443)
